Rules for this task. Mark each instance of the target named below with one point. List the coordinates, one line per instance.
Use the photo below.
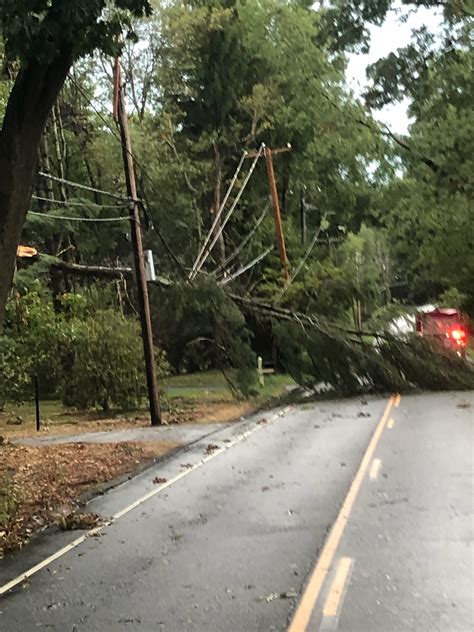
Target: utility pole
(269, 153)
(120, 115)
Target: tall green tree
(45, 36)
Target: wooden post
(37, 404)
(143, 302)
(261, 377)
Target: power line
(247, 266)
(69, 203)
(80, 219)
(76, 185)
(242, 245)
(202, 251)
(97, 111)
(231, 210)
(303, 259)
(117, 136)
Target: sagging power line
(217, 216)
(55, 202)
(246, 267)
(242, 245)
(217, 234)
(79, 219)
(84, 187)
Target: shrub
(103, 362)
(14, 371)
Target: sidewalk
(183, 434)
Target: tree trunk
(59, 152)
(45, 164)
(34, 92)
(217, 198)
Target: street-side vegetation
(374, 222)
(44, 485)
(196, 398)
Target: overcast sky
(391, 35)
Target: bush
(14, 372)
(103, 362)
(88, 358)
(32, 327)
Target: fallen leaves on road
(159, 480)
(212, 447)
(42, 485)
(464, 405)
(75, 520)
(289, 594)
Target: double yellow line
(306, 606)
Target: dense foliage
(374, 223)
(87, 357)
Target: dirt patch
(42, 485)
(225, 411)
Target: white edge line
(75, 543)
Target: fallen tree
(314, 351)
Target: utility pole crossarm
(278, 150)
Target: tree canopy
(375, 222)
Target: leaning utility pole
(269, 153)
(120, 115)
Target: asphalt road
(347, 516)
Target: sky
(391, 35)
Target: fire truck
(449, 326)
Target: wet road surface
(349, 515)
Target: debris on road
(73, 521)
(159, 480)
(42, 485)
(289, 594)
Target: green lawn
(182, 390)
(212, 386)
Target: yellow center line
(391, 423)
(375, 468)
(398, 397)
(333, 601)
(306, 606)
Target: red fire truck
(446, 324)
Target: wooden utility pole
(269, 153)
(120, 114)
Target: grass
(196, 380)
(207, 392)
